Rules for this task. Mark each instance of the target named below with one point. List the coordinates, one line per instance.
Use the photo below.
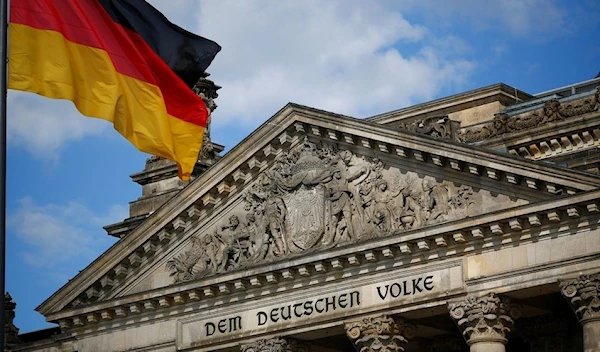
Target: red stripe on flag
(86, 22)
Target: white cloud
(342, 56)
(44, 126)
(54, 235)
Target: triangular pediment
(308, 184)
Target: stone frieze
(318, 197)
(552, 111)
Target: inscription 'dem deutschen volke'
(330, 304)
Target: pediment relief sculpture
(319, 197)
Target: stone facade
(430, 228)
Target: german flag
(118, 60)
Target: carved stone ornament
(276, 344)
(440, 127)
(380, 334)
(553, 110)
(206, 89)
(582, 294)
(316, 198)
(11, 332)
(485, 319)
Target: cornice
(504, 92)
(523, 121)
(171, 222)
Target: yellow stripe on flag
(44, 62)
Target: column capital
(582, 294)
(276, 344)
(487, 318)
(383, 333)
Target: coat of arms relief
(317, 197)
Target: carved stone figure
(206, 89)
(551, 112)
(357, 172)
(436, 199)
(259, 238)
(412, 215)
(580, 107)
(439, 126)
(239, 250)
(476, 134)
(275, 212)
(381, 334)
(341, 204)
(206, 256)
(386, 210)
(485, 319)
(316, 197)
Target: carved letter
(308, 308)
(235, 323)
(317, 306)
(287, 316)
(428, 283)
(274, 315)
(329, 303)
(352, 294)
(222, 326)
(296, 306)
(406, 292)
(210, 328)
(262, 318)
(342, 300)
(415, 285)
(383, 296)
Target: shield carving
(305, 220)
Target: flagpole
(3, 69)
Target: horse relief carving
(316, 198)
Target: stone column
(277, 344)
(582, 294)
(485, 321)
(381, 334)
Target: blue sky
(67, 175)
